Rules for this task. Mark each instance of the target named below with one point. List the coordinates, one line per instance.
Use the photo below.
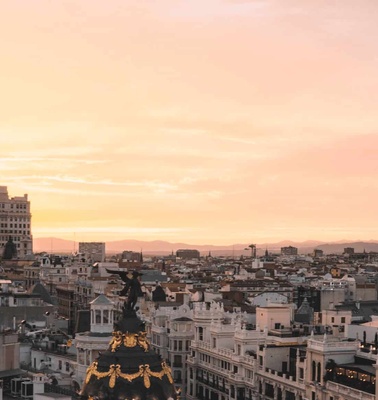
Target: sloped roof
(38, 288)
(101, 300)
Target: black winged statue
(132, 287)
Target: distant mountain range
(160, 247)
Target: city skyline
(219, 122)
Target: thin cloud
(82, 181)
(114, 229)
(28, 159)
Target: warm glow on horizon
(216, 121)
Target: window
(319, 372)
(177, 361)
(67, 367)
(333, 319)
(106, 317)
(200, 333)
(313, 371)
(60, 365)
(98, 316)
(343, 320)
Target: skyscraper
(15, 222)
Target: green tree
(10, 250)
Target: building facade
(170, 331)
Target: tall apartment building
(94, 250)
(15, 222)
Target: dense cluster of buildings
(282, 326)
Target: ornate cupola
(101, 315)
(129, 369)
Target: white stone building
(275, 360)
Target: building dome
(129, 369)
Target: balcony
(349, 392)
(223, 352)
(213, 385)
(284, 378)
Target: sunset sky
(204, 121)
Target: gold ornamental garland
(115, 372)
(128, 340)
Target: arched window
(319, 372)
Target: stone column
(275, 392)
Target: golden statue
(116, 341)
(142, 341)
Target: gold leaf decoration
(116, 341)
(128, 340)
(115, 372)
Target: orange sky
(216, 121)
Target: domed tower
(129, 369)
(101, 315)
(90, 344)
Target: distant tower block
(289, 251)
(15, 220)
(94, 250)
(187, 254)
